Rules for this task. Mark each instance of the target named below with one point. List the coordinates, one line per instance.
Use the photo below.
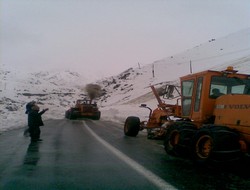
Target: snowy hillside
(131, 88)
(50, 89)
(122, 94)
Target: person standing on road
(34, 122)
(28, 109)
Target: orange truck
(83, 109)
(212, 117)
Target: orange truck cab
(220, 98)
(202, 93)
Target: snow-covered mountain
(122, 94)
(55, 90)
(131, 88)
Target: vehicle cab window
(221, 85)
(187, 92)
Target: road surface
(86, 154)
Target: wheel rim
(204, 146)
(174, 138)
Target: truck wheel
(132, 126)
(67, 114)
(218, 143)
(171, 140)
(203, 147)
(178, 139)
(97, 116)
(72, 115)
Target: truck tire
(171, 140)
(216, 143)
(132, 126)
(178, 139)
(73, 114)
(97, 116)
(203, 147)
(67, 114)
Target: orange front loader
(83, 109)
(214, 122)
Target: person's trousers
(34, 133)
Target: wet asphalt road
(86, 154)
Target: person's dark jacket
(35, 118)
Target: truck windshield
(221, 85)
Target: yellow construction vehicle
(213, 112)
(83, 109)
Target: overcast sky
(108, 36)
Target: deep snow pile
(122, 94)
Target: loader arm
(161, 104)
(168, 108)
